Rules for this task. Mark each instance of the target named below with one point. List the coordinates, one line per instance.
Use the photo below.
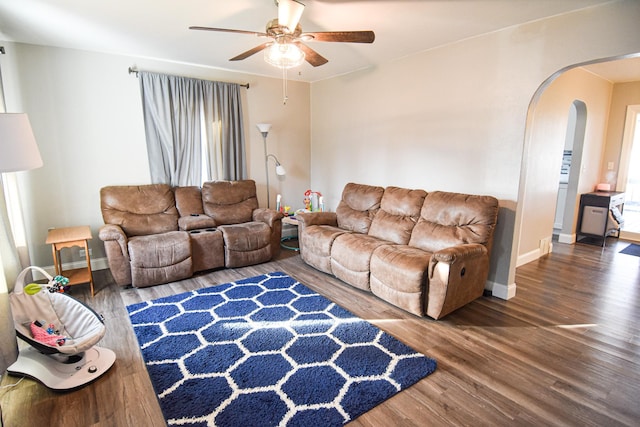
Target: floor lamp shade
(17, 144)
(264, 128)
(18, 152)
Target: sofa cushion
(160, 258)
(140, 209)
(246, 244)
(351, 256)
(450, 219)
(358, 206)
(189, 205)
(195, 222)
(229, 202)
(188, 200)
(398, 214)
(399, 276)
(207, 249)
(246, 236)
(316, 241)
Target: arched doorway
(547, 123)
(569, 177)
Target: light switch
(610, 166)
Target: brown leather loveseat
(157, 234)
(427, 253)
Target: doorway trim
(627, 143)
(633, 111)
(568, 232)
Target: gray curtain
(178, 113)
(226, 154)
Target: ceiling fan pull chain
(284, 86)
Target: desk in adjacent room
(595, 217)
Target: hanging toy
(32, 288)
(59, 284)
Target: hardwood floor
(564, 351)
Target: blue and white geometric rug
(268, 351)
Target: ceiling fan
(286, 48)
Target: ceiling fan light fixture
(289, 13)
(284, 55)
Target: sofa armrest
(116, 247)
(268, 216)
(450, 255)
(317, 218)
(273, 219)
(195, 222)
(112, 232)
(457, 276)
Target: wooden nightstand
(68, 237)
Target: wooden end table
(68, 237)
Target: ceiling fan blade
(289, 13)
(311, 56)
(340, 36)
(250, 52)
(225, 30)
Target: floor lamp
(264, 130)
(19, 152)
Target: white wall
(454, 118)
(86, 114)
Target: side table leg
(88, 257)
(56, 262)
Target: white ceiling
(620, 71)
(159, 28)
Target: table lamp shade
(18, 148)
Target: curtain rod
(133, 70)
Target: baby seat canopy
(79, 324)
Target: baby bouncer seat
(61, 332)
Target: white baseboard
(96, 264)
(528, 257)
(503, 291)
(546, 247)
(567, 238)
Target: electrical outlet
(545, 246)
(83, 254)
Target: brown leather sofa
(157, 234)
(427, 253)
